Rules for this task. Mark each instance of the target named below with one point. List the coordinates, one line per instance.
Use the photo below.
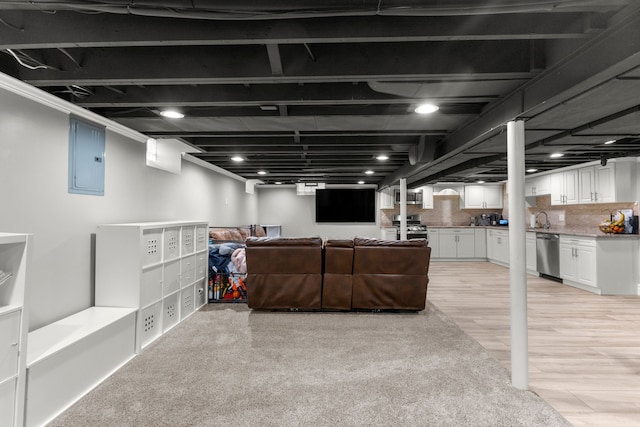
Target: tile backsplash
(446, 212)
(576, 215)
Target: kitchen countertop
(570, 231)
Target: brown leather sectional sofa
(344, 275)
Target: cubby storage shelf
(69, 357)
(157, 268)
(6, 309)
(15, 250)
(5, 278)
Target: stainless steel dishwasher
(548, 254)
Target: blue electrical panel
(86, 158)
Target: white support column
(517, 258)
(403, 208)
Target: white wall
(296, 214)
(34, 199)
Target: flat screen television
(346, 205)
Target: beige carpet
(229, 366)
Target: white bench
(68, 358)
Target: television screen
(346, 205)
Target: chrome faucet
(612, 213)
(546, 224)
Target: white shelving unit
(14, 258)
(158, 268)
(69, 357)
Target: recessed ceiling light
(479, 182)
(611, 141)
(369, 172)
(556, 155)
(278, 183)
(532, 170)
(237, 159)
(426, 108)
(262, 172)
(382, 157)
(171, 114)
(360, 182)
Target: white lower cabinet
(498, 246)
(434, 242)
(531, 259)
(498, 249)
(578, 260)
(480, 243)
(604, 265)
(457, 243)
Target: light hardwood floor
(584, 349)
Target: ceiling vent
(308, 188)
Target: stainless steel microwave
(414, 197)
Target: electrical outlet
(561, 217)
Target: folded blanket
(239, 260)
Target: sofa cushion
(365, 241)
(284, 291)
(389, 292)
(339, 243)
(410, 259)
(338, 256)
(284, 241)
(336, 291)
(281, 255)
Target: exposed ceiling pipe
(469, 164)
(291, 10)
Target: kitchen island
(605, 264)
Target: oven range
(415, 230)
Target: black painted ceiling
(313, 91)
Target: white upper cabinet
(616, 182)
(564, 187)
(605, 182)
(587, 177)
(543, 185)
(537, 186)
(427, 197)
(386, 198)
(482, 197)
(613, 183)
